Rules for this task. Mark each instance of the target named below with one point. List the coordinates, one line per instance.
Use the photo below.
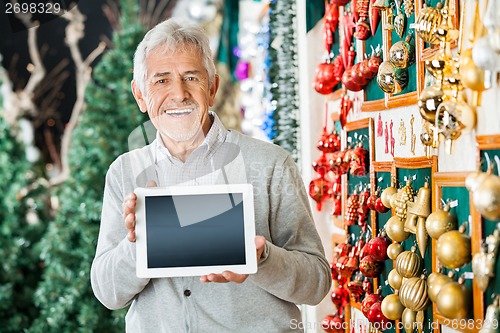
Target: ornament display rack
(488, 144)
(451, 186)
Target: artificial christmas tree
(22, 222)
(64, 297)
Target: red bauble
(329, 143)
(340, 297)
(332, 324)
(379, 206)
(319, 191)
(337, 206)
(377, 247)
(367, 286)
(371, 202)
(369, 301)
(370, 267)
(321, 166)
(356, 288)
(377, 318)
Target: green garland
(283, 75)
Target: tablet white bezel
(142, 269)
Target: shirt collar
(215, 137)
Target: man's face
(176, 93)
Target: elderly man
(175, 83)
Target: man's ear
(213, 90)
(136, 91)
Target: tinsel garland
(283, 75)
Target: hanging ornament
(345, 107)
(340, 298)
(441, 221)
(409, 320)
(408, 7)
(393, 140)
(376, 317)
(402, 132)
(319, 190)
(369, 300)
(406, 195)
(391, 306)
(409, 263)
(333, 324)
(419, 210)
(402, 53)
(367, 286)
(359, 160)
(342, 249)
(454, 300)
(331, 21)
(413, 137)
(485, 188)
(356, 288)
(374, 17)
(363, 31)
(491, 318)
(395, 280)
(380, 126)
(377, 247)
(390, 79)
(399, 20)
(394, 250)
(352, 205)
(454, 248)
(435, 282)
(394, 228)
(483, 263)
(427, 22)
(371, 267)
(413, 293)
(386, 137)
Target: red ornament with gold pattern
(356, 288)
(351, 214)
(359, 160)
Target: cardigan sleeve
(293, 266)
(113, 272)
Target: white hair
(170, 35)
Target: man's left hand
(227, 276)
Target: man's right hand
(129, 215)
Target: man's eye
(161, 81)
(190, 78)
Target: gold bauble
(454, 301)
(454, 249)
(440, 221)
(386, 196)
(394, 250)
(428, 102)
(467, 115)
(402, 54)
(393, 200)
(392, 307)
(472, 76)
(428, 20)
(435, 282)
(487, 197)
(413, 293)
(409, 263)
(395, 280)
(394, 228)
(390, 79)
(409, 318)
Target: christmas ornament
(332, 324)
(394, 229)
(342, 249)
(395, 280)
(408, 7)
(387, 194)
(413, 293)
(371, 267)
(380, 207)
(319, 191)
(377, 247)
(405, 195)
(356, 288)
(391, 307)
(331, 21)
(402, 53)
(454, 300)
(435, 282)
(367, 286)
(454, 248)
(483, 262)
(369, 300)
(402, 132)
(329, 143)
(408, 319)
(374, 17)
(428, 20)
(491, 318)
(399, 20)
(485, 188)
(352, 205)
(409, 263)
(418, 210)
(363, 31)
(394, 250)
(380, 126)
(376, 317)
(359, 163)
(428, 102)
(413, 137)
(440, 221)
(340, 298)
(336, 206)
(345, 107)
(393, 140)
(390, 79)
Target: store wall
(462, 158)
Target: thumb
(151, 183)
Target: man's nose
(178, 90)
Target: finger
(233, 277)
(260, 244)
(131, 236)
(130, 221)
(218, 278)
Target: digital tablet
(195, 230)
